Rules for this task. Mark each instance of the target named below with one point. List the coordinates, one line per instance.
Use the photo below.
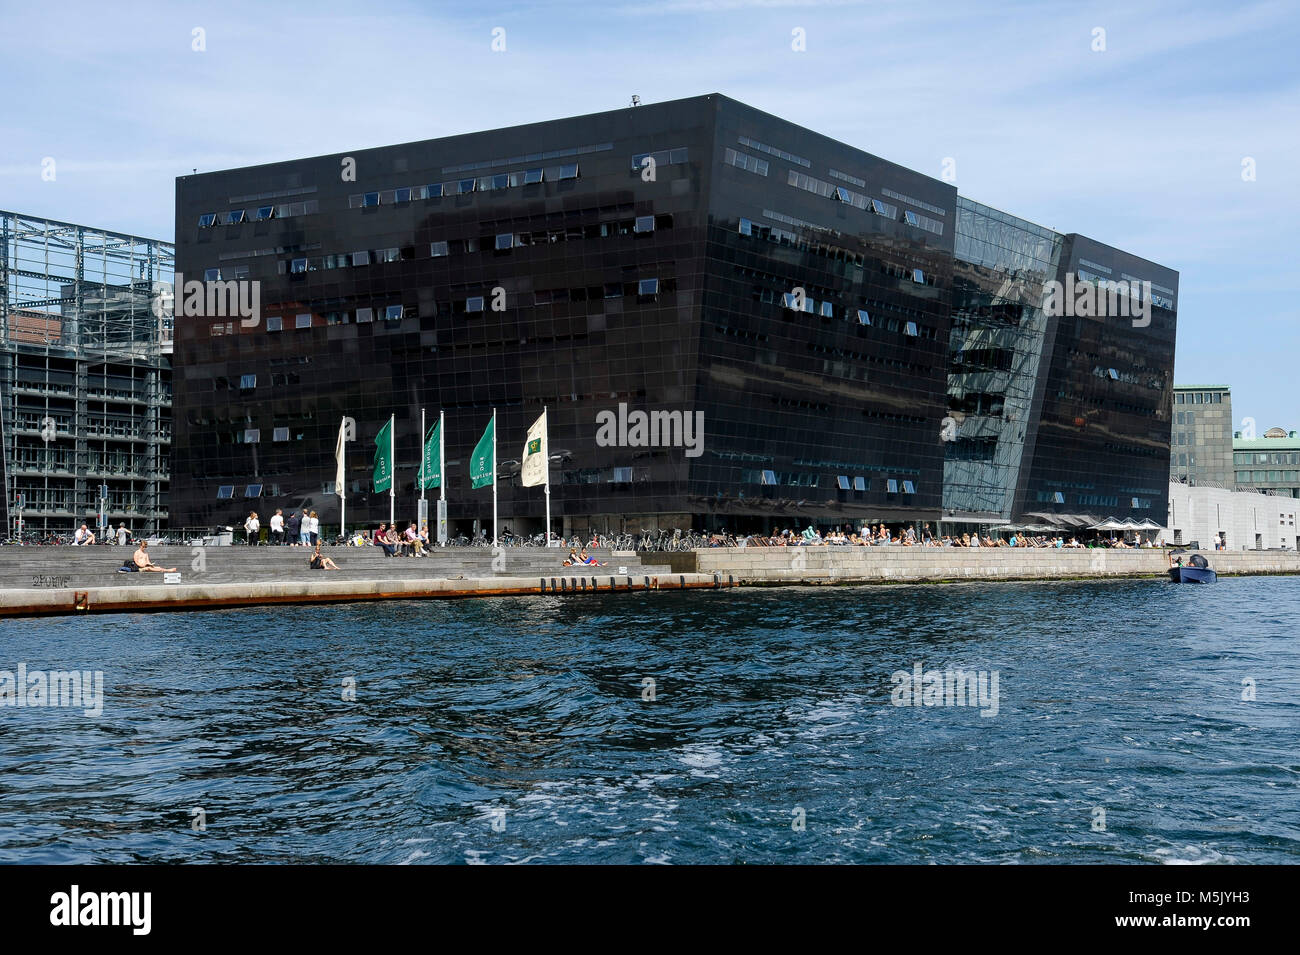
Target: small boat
(1195, 571)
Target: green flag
(383, 457)
(482, 466)
(433, 458)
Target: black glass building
(821, 311)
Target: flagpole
(546, 440)
(494, 476)
(442, 467)
(392, 463)
(422, 495)
(343, 497)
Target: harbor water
(1102, 722)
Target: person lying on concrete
(145, 562)
(320, 562)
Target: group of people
(583, 559)
(878, 535)
(299, 529)
(84, 536)
(408, 543)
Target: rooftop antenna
(636, 100)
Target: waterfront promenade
(68, 580)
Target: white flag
(338, 458)
(535, 468)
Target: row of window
(645, 290)
(1265, 457)
(287, 210)
(745, 161)
(843, 482)
(1198, 397)
(462, 187)
(1259, 477)
(501, 242)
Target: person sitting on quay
(583, 558)
(144, 562)
(318, 561)
(571, 559)
(414, 541)
(424, 537)
(83, 537)
(381, 540)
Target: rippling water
(512, 730)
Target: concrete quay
(36, 581)
(829, 565)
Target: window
(370, 199)
(280, 434)
(253, 490)
(252, 436)
(891, 486)
(225, 492)
(746, 227)
(388, 255)
(909, 328)
(863, 317)
(474, 303)
(298, 266)
(212, 275)
(402, 195)
(235, 217)
(613, 290)
(909, 487)
(859, 484)
(648, 287)
(302, 321)
(644, 224)
(247, 381)
(878, 207)
(263, 213)
(465, 186)
(843, 195)
(438, 249)
(365, 315)
(393, 313)
(622, 476)
(918, 276)
(828, 310)
(274, 323)
(360, 258)
(433, 191)
(568, 171)
(531, 176)
(843, 482)
(505, 240)
(1058, 497)
(1113, 374)
(500, 182)
(769, 477)
(207, 220)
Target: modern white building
(1243, 520)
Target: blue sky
(1139, 146)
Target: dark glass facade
(697, 256)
